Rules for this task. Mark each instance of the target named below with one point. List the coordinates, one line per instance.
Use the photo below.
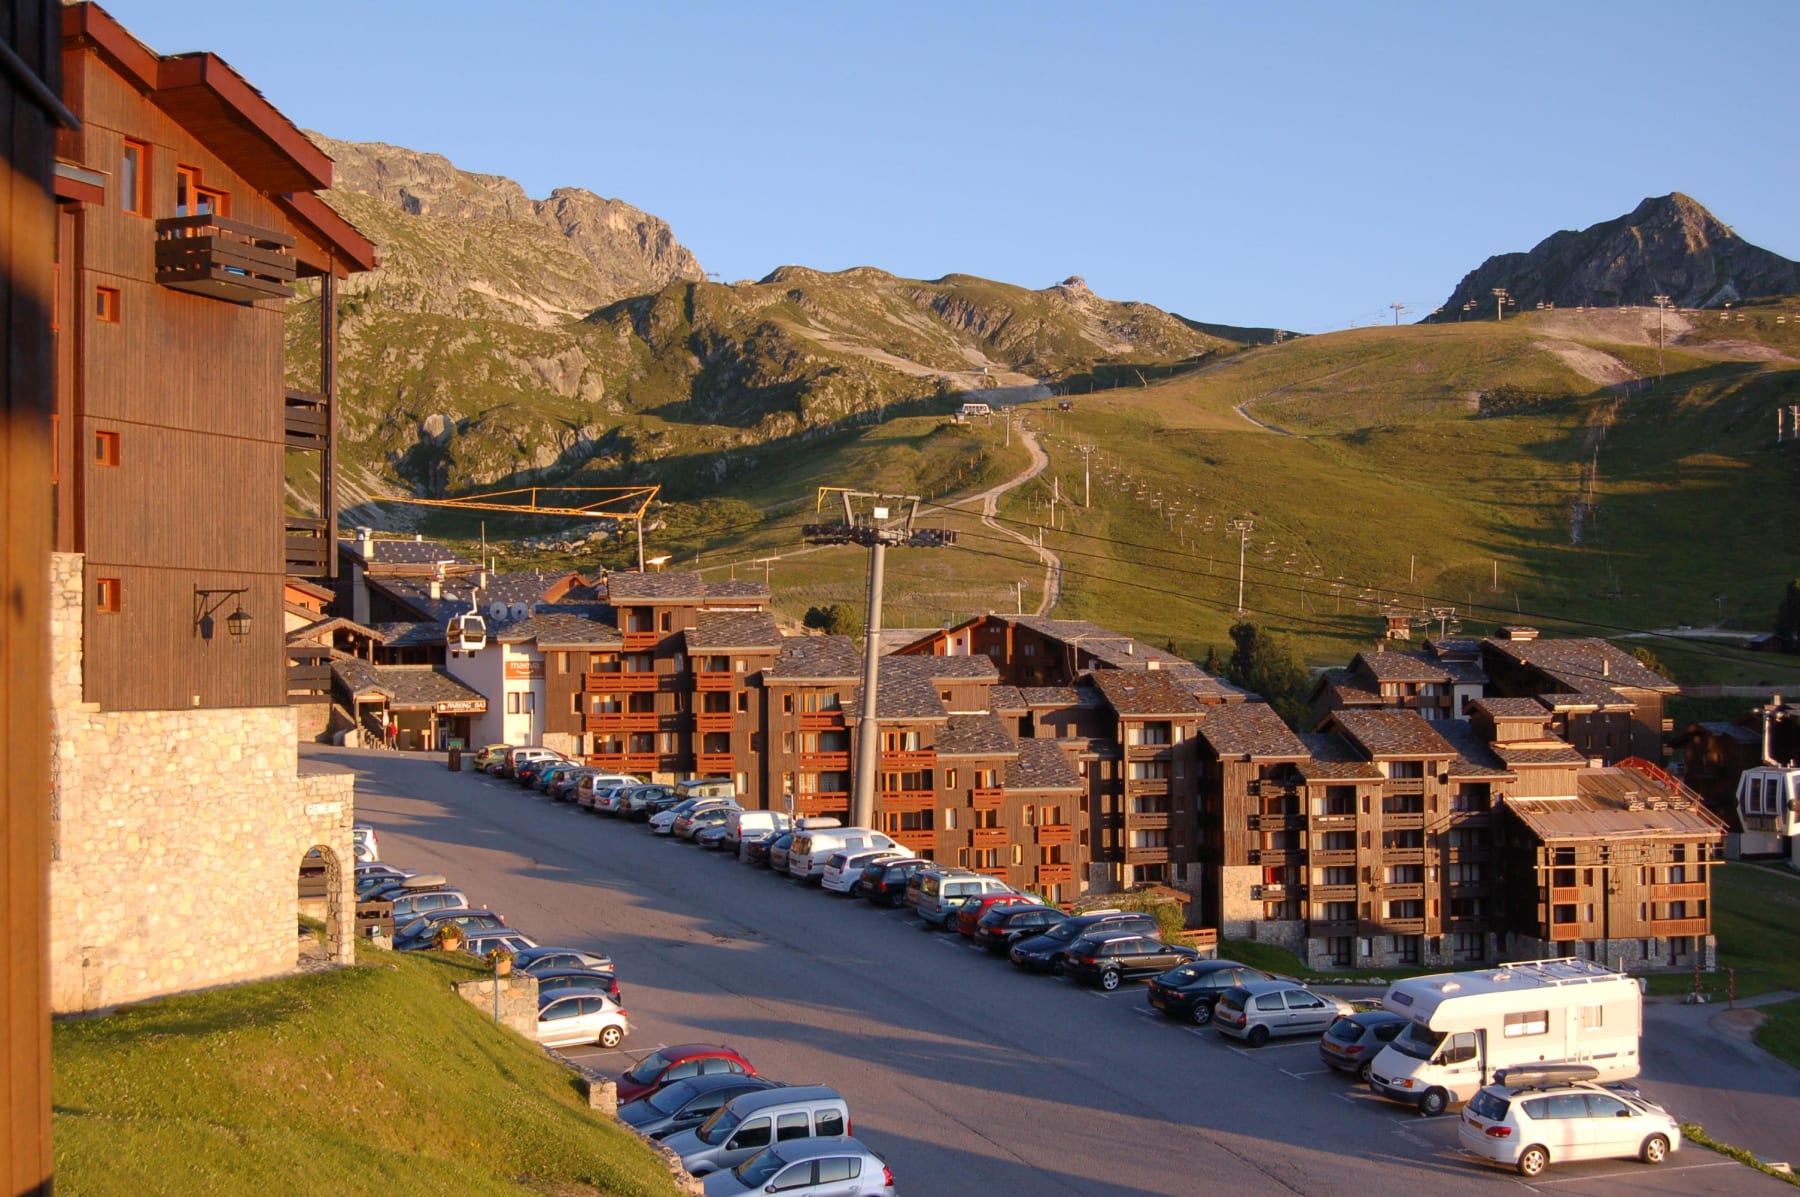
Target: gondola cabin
(1768, 802)
(466, 633)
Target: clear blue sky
(1301, 165)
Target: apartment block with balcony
(806, 748)
(1605, 702)
(1254, 824)
(1149, 819)
(725, 650)
(1437, 683)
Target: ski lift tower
(876, 520)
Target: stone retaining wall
(177, 838)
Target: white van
(1463, 1027)
(743, 825)
(806, 855)
(706, 787)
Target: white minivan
(807, 854)
(743, 825)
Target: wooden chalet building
(1437, 683)
(187, 210)
(1606, 703)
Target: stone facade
(177, 838)
(518, 1000)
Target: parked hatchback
(884, 882)
(969, 914)
(1530, 1120)
(679, 1062)
(1352, 1042)
(996, 929)
(836, 1167)
(582, 1017)
(1107, 959)
(687, 1103)
(1043, 953)
(941, 895)
(1190, 991)
(1264, 1009)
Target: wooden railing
(223, 258)
(1679, 891)
(1333, 893)
(825, 762)
(621, 721)
(822, 721)
(1054, 874)
(639, 763)
(715, 763)
(916, 838)
(906, 800)
(1663, 928)
(1328, 857)
(1155, 855)
(307, 420)
(987, 796)
(308, 550)
(309, 673)
(713, 680)
(717, 721)
(989, 837)
(1334, 822)
(1051, 835)
(909, 759)
(825, 802)
(639, 642)
(1402, 926)
(1403, 785)
(1403, 820)
(1149, 820)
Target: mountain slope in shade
(1669, 245)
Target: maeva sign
(520, 671)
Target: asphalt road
(971, 1077)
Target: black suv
(1002, 926)
(1192, 990)
(1041, 953)
(1107, 958)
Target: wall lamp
(207, 604)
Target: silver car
(808, 1168)
(1260, 1010)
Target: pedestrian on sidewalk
(393, 733)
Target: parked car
(1262, 1009)
(605, 800)
(747, 1124)
(638, 801)
(1530, 1119)
(695, 821)
(1106, 959)
(808, 1168)
(777, 858)
(968, 915)
(513, 759)
(363, 845)
(1191, 990)
(1001, 925)
(418, 933)
(540, 959)
(485, 756)
(916, 883)
(813, 846)
(884, 882)
(1352, 1041)
(411, 904)
(843, 870)
(712, 838)
(747, 824)
(554, 780)
(561, 980)
(676, 1063)
(566, 1018)
(667, 800)
(526, 772)
(372, 883)
(1043, 952)
(597, 781)
(482, 943)
(687, 1103)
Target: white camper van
(1465, 1026)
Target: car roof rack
(1545, 1076)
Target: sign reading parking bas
(525, 670)
(461, 706)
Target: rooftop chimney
(1517, 634)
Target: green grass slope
(365, 1080)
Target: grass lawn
(1780, 1033)
(1756, 917)
(363, 1080)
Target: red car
(678, 1063)
(970, 912)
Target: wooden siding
(28, 223)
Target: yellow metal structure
(639, 499)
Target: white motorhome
(1465, 1026)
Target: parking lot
(968, 1074)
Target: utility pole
(1662, 305)
(1243, 528)
(1087, 477)
(1501, 299)
(1398, 308)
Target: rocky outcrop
(1669, 245)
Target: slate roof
(557, 629)
(406, 687)
(1333, 759)
(1041, 765)
(1007, 700)
(1447, 649)
(680, 588)
(718, 630)
(974, 735)
(1059, 696)
(1596, 698)
(525, 586)
(946, 669)
(1524, 756)
(1348, 691)
(324, 627)
(1584, 664)
(395, 551)
(1513, 708)
(410, 633)
(1400, 667)
(1386, 733)
(900, 697)
(1251, 730)
(1602, 806)
(1206, 687)
(1475, 758)
(816, 658)
(1135, 694)
(1730, 731)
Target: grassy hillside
(363, 1080)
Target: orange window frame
(106, 304)
(106, 448)
(134, 182)
(192, 198)
(106, 594)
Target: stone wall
(518, 1001)
(177, 838)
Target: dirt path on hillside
(990, 506)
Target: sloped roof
(1726, 730)
(720, 630)
(1252, 731)
(680, 588)
(552, 629)
(1527, 756)
(406, 687)
(410, 633)
(1400, 667)
(1007, 700)
(1334, 759)
(1602, 809)
(403, 551)
(1393, 734)
(974, 735)
(1582, 665)
(1135, 694)
(1475, 758)
(324, 627)
(1041, 765)
(815, 659)
(1059, 696)
(1513, 708)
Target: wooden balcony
(1403, 785)
(621, 721)
(712, 680)
(822, 721)
(1148, 787)
(1401, 926)
(1332, 928)
(1333, 893)
(308, 550)
(1155, 820)
(1333, 822)
(1149, 752)
(1565, 895)
(1270, 857)
(825, 762)
(1139, 856)
(1561, 932)
(1275, 822)
(307, 420)
(984, 796)
(1666, 928)
(918, 839)
(906, 800)
(990, 837)
(1410, 891)
(1051, 835)
(720, 721)
(225, 259)
(622, 683)
(1000, 871)
(639, 763)
(1402, 820)
(308, 674)
(639, 642)
(825, 802)
(715, 764)
(1690, 891)
(911, 759)
(1054, 874)
(1403, 855)
(1335, 857)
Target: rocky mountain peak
(1668, 245)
